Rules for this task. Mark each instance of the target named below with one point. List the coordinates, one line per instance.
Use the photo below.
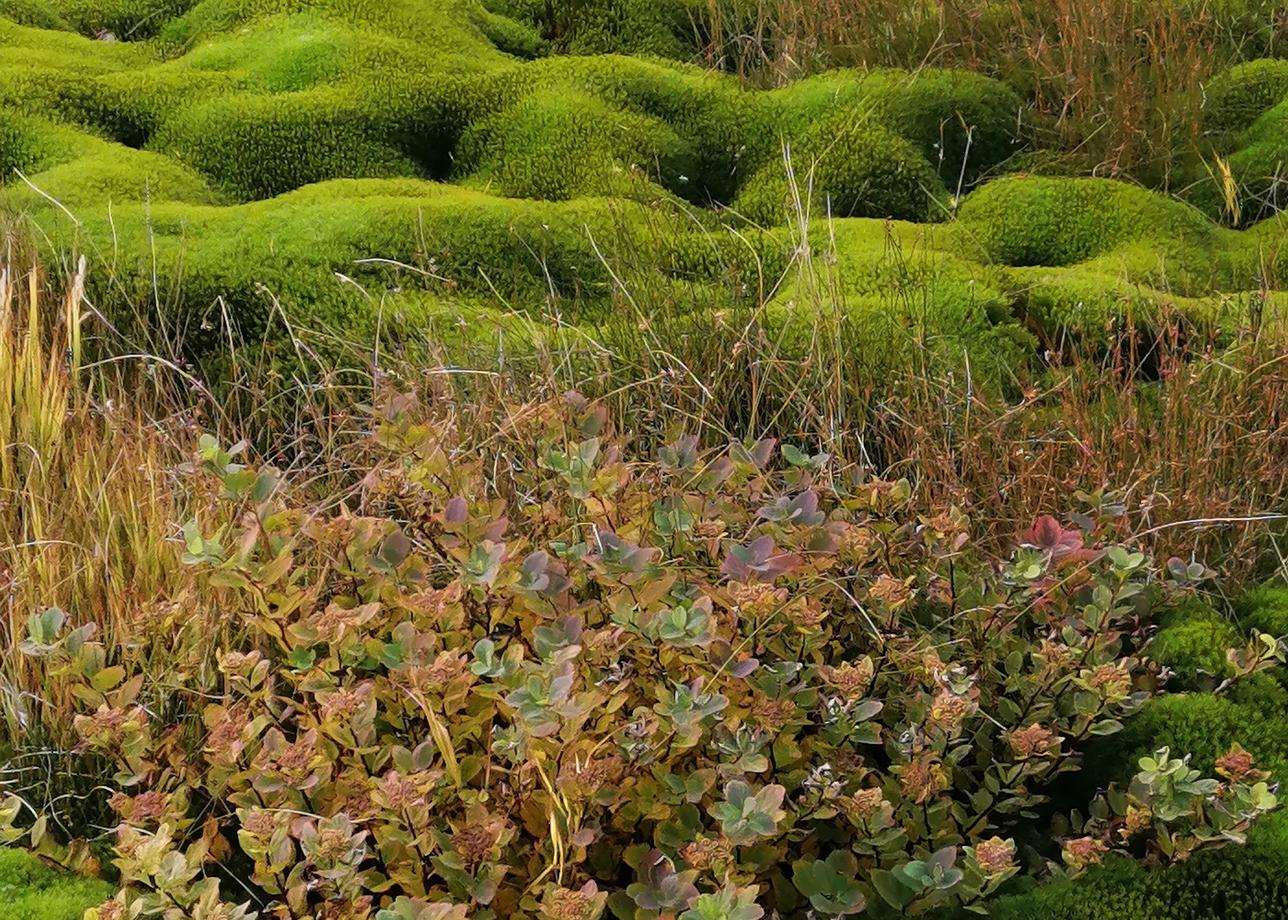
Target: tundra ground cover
(240, 168)
(569, 460)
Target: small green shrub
(1247, 884)
(667, 662)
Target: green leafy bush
(1246, 884)
(595, 681)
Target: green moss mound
(903, 293)
(846, 166)
(1240, 883)
(964, 124)
(1236, 98)
(261, 146)
(1246, 118)
(1036, 220)
(33, 13)
(571, 145)
(123, 20)
(1259, 164)
(1192, 642)
(210, 134)
(664, 28)
(351, 256)
(30, 890)
(1266, 609)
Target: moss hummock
(30, 890)
(287, 155)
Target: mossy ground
(352, 164)
(30, 890)
(1239, 883)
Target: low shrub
(1201, 646)
(1247, 884)
(554, 677)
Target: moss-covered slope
(357, 164)
(29, 890)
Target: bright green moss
(664, 28)
(29, 143)
(846, 166)
(510, 35)
(1259, 164)
(35, 13)
(80, 170)
(285, 53)
(1099, 300)
(1234, 883)
(1236, 98)
(1203, 725)
(1192, 641)
(901, 295)
(570, 145)
(248, 100)
(1266, 609)
(113, 173)
(261, 146)
(964, 124)
(66, 50)
(126, 20)
(711, 115)
(1032, 220)
(331, 251)
(29, 890)
(62, 95)
(447, 29)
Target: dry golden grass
(1117, 83)
(1191, 436)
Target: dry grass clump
(1117, 82)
